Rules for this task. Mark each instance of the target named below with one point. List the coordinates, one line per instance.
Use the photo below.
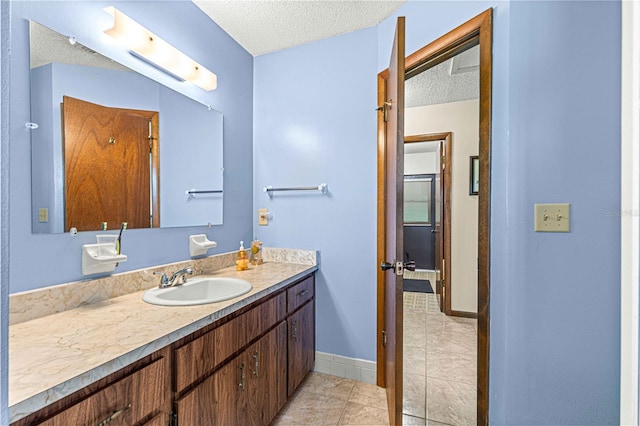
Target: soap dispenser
(242, 263)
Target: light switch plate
(263, 217)
(552, 217)
(43, 215)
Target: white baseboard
(349, 368)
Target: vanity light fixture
(143, 44)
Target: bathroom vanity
(233, 362)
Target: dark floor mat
(419, 286)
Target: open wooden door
(443, 227)
(107, 166)
(394, 184)
(391, 87)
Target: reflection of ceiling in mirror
(457, 79)
(47, 46)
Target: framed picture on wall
(474, 175)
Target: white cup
(107, 244)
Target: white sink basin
(198, 291)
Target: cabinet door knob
(114, 415)
(256, 363)
(294, 332)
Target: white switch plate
(552, 217)
(43, 215)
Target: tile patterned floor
(323, 399)
(439, 377)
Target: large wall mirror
(114, 146)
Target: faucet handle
(187, 270)
(164, 280)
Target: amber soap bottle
(242, 263)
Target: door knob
(386, 265)
(398, 267)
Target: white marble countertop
(56, 355)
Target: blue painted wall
(182, 24)
(315, 123)
(561, 311)
(555, 297)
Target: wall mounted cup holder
(100, 258)
(200, 244)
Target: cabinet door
(220, 400)
(301, 345)
(197, 407)
(231, 392)
(267, 391)
(161, 419)
(274, 383)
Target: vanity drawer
(235, 334)
(265, 316)
(300, 293)
(125, 402)
(194, 360)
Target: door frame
(446, 200)
(630, 223)
(478, 30)
(154, 142)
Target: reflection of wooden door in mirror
(107, 166)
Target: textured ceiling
(454, 80)
(264, 26)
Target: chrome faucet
(171, 282)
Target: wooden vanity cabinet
(249, 385)
(248, 390)
(238, 371)
(252, 388)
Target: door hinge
(384, 338)
(150, 136)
